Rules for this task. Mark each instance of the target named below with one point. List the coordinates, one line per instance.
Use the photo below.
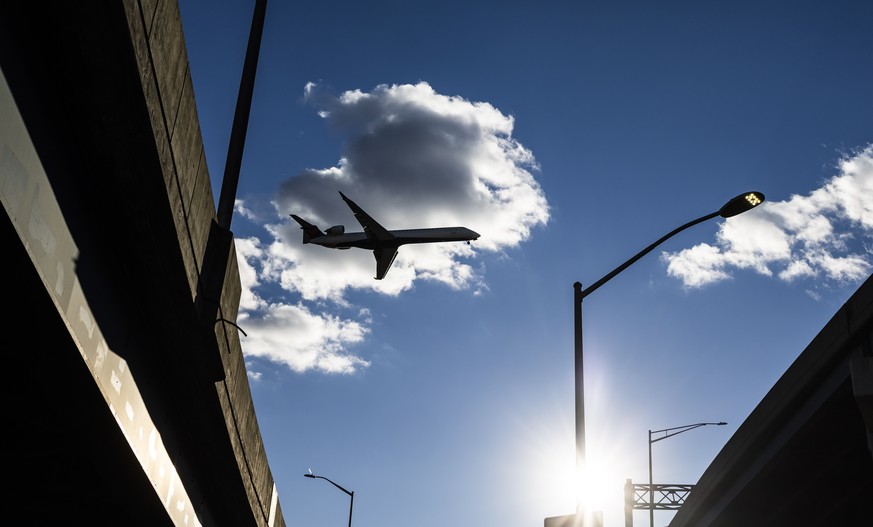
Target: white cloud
(824, 234)
(248, 250)
(289, 334)
(302, 340)
(412, 158)
(699, 265)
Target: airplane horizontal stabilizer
(310, 231)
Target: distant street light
(737, 205)
(668, 432)
(350, 493)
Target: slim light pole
(220, 240)
(668, 432)
(736, 205)
(241, 118)
(351, 493)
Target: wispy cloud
(826, 234)
(412, 158)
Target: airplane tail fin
(310, 231)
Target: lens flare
(599, 486)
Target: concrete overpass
(804, 456)
(127, 396)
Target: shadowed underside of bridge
(71, 461)
(126, 406)
(804, 456)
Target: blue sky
(570, 135)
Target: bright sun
(601, 488)
(555, 484)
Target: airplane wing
(384, 259)
(371, 226)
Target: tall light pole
(351, 493)
(668, 432)
(218, 244)
(232, 165)
(736, 205)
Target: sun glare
(601, 488)
(558, 490)
(553, 477)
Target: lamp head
(310, 475)
(740, 204)
(721, 423)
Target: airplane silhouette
(381, 241)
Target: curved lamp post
(351, 493)
(668, 432)
(737, 205)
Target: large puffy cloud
(412, 158)
(820, 235)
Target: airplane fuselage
(381, 241)
(400, 237)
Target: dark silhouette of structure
(127, 405)
(804, 456)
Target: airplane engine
(336, 229)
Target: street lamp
(668, 432)
(350, 493)
(737, 205)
